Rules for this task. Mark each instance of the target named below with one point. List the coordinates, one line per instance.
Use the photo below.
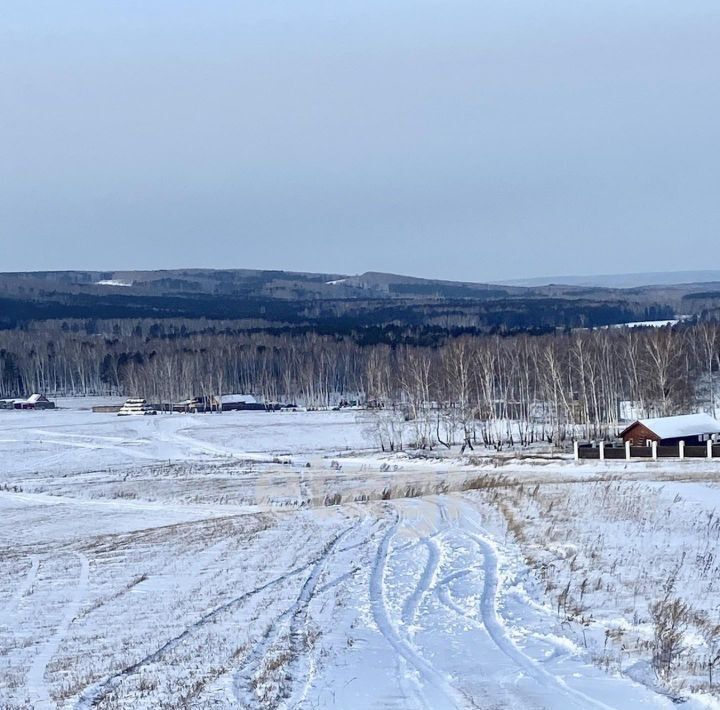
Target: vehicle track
(299, 621)
(94, 694)
(6, 616)
(297, 616)
(412, 603)
(410, 686)
(437, 690)
(92, 443)
(39, 691)
(498, 633)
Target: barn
(693, 429)
(35, 401)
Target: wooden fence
(608, 452)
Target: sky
(468, 140)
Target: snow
(647, 323)
(682, 425)
(195, 560)
(238, 399)
(113, 282)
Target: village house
(693, 429)
(39, 401)
(35, 401)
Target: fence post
(576, 450)
(654, 450)
(709, 448)
(681, 448)
(602, 450)
(627, 450)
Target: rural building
(196, 404)
(40, 401)
(34, 401)
(219, 403)
(693, 429)
(230, 402)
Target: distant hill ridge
(340, 303)
(207, 280)
(653, 278)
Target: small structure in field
(135, 407)
(670, 431)
(107, 408)
(35, 401)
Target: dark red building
(693, 429)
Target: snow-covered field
(268, 560)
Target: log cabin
(693, 429)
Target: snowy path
(226, 585)
(437, 692)
(436, 602)
(7, 615)
(39, 692)
(405, 599)
(498, 632)
(292, 618)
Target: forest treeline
(490, 388)
(340, 315)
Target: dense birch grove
(492, 390)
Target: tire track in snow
(94, 694)
(297, 615)
(312, 670)
(126, 448)
(39, 691)
(410, 688)
(409, 685)
(412, 603)
(299, 620)
(437, 691)
(447, 601)
(7, 612)
(178, 437)
(452, 576)
(426, 539)
(498, 633)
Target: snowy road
(442, 633)
(385, 605)
(215, 580)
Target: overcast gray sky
(462, 139)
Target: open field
(258, 560)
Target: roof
(36, 398)
(682, 425)
(237, 399)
